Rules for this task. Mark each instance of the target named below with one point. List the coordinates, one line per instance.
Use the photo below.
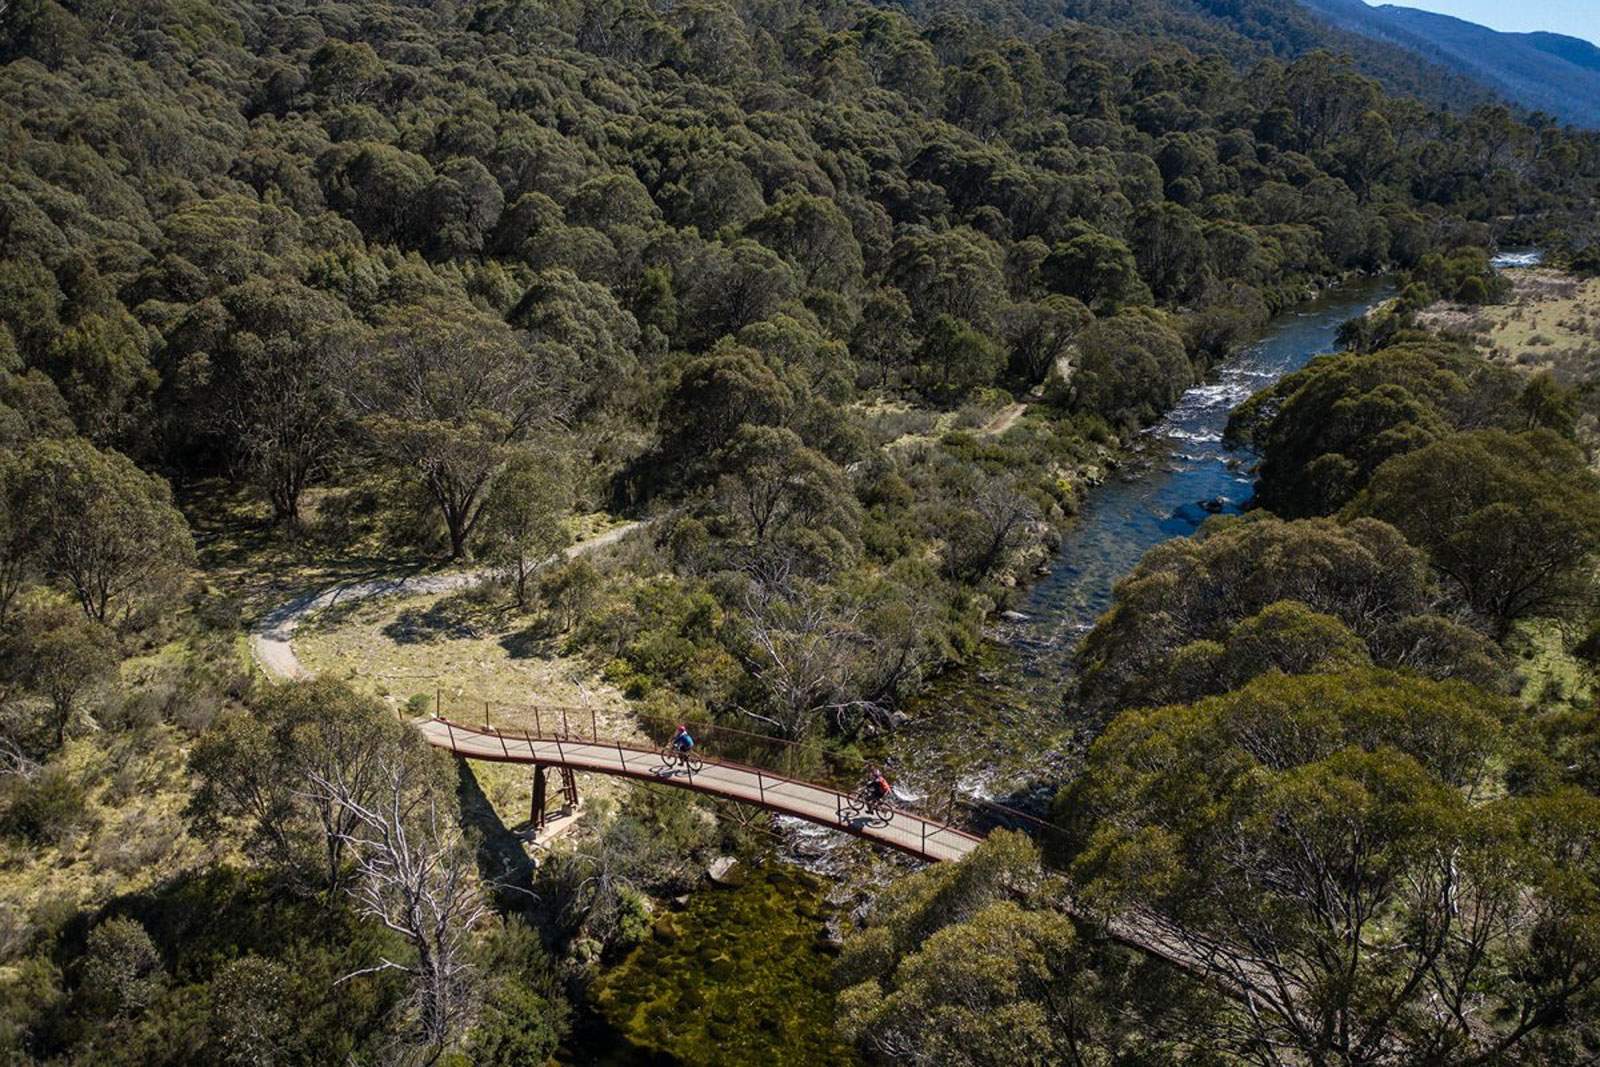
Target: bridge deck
(907, 831)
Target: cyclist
(877, 786)
(681, 741)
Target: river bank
(1012, 733)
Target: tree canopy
(1249, 595)
(1511, 520)
(1281, 833)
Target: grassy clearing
(1552, 678)
(104, 817)
(464, 648)
(128, 835)
(461, 650)
(1551, 322)
(898, 424)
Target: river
(1002, 729)
(998, 728)
(1180, 475)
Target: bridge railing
(751, 751)
(580, 721)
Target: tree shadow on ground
(424, 626)
(539, 641)
(231, 528)
(469, 614)
(502, 861)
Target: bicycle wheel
(693, 763)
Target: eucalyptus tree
(524, 516)
(444, 394)
(261, 364)
(1512, 522)
(1337, 853)
(62, 656)
(104, 528)
(773, 482)
(1247, 595)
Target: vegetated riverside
(1009, 731)
(999, 725)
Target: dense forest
(426, 281)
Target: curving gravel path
(272, 637)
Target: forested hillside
(1544, 72)
(1242, 31)
(181, 176)
(393, 284)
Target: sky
(1576, 18)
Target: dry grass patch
(460, 651)
(128, 836)
(1551, 322)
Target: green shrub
(48, 808)
(518, 1027)
(122, 971)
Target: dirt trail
(1003, 420)
(272, 637)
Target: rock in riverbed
(725, 870)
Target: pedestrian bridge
(925, 837)
(922, 836)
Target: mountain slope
(1573, 49)
(1244, 31)
(1541, 71)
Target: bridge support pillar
(540, 817)
(537, 815)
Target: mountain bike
(672, 757)
(866, 801)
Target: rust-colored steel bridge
(922, 836)
(925, 837)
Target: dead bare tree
(14, 762)
(808, 655)
(415, 874)
(983, 534)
